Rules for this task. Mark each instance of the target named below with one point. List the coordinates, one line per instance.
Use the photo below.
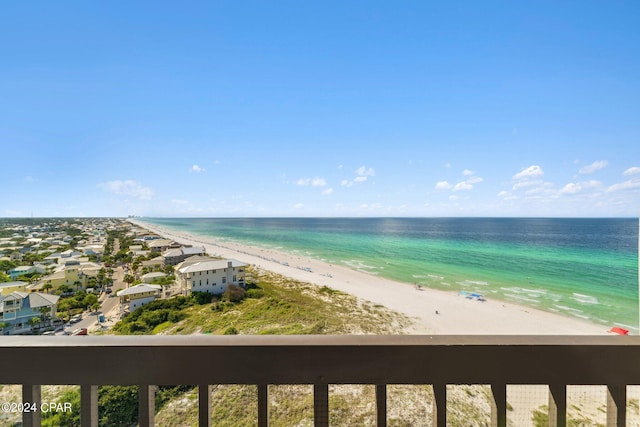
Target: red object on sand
(619, 331)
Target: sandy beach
(434, 311)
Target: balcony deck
(147, 361)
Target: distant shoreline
(434, 311)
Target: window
(224, 280)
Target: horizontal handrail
(160, 360)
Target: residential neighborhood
(75, 276)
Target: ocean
(580, 267)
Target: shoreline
(433, 311)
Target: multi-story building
(212, 276)
(177, 255)
(137, 296)
(19, 308)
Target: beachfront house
(161, 245)
(210, 276)
(8, 287)
(137, 296)
(177, 255)
(18, 309)
(23, 270)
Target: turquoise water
(585, 268)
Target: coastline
(433, 311)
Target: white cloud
(29, 178)
(127, 188)
(362, 175)
(600, 164)
(467, 172)
(523, 184)
(447, 165)
(179, 202)
(474, 180)
(298, 206)
(571, 188)
(463, 186)
(504, 194)
(196, 169)
(364, 171)
(443, 185)
(632, 171)
(315, 182)
(327, 192)
(627, 185)
(531, 171)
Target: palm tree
(33, 322)
(47, 287)
(45, 311)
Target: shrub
(234, 293)
(202, 298)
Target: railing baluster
(321, 405)
(616, 405)
(89, 405)
(263, 405)
(439, 405)
(381, 405)
(204, 405)
(146, 405)
(557, 405)
(498, 405)
(32, 394)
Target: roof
(211, 265)
(32, 299)
(139, 289)
(154, 274)
(11, 284)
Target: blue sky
(347, 108)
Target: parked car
(81, 331)
(76, 318)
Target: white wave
(521, 298)
(585, 299)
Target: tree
(129, 278)
(3, 325)
(47, 287)
(33, 322)
(45, 313)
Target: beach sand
(434, 311)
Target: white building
(137, 296)
(210, 276)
